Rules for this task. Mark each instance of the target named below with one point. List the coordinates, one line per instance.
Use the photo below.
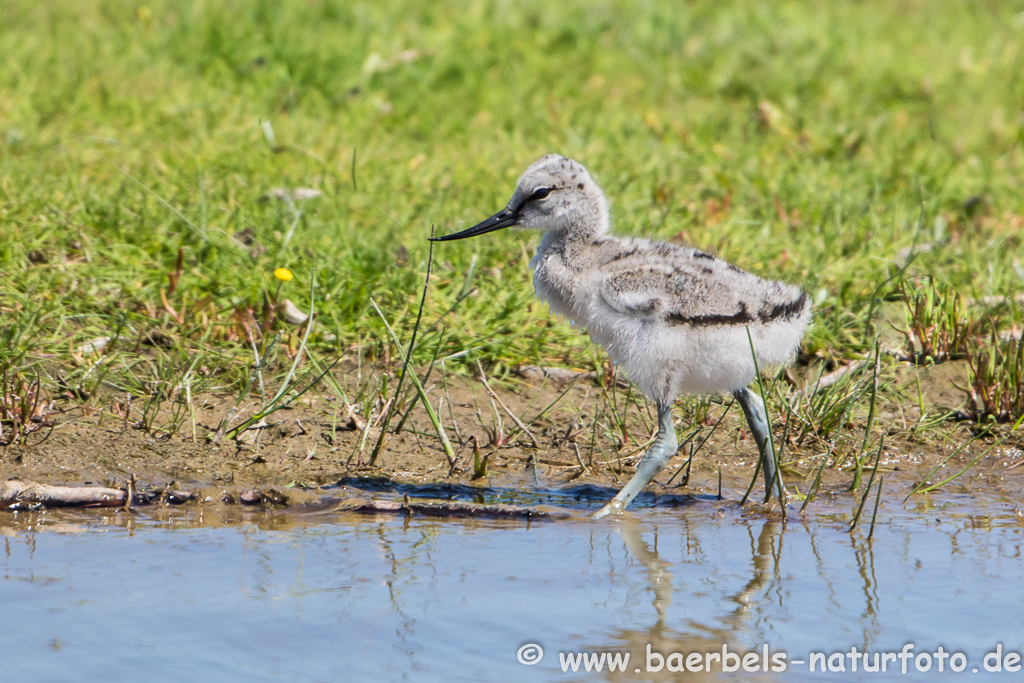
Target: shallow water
(333, 597)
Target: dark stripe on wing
(621, 255)
(741, 317)
(786, 310)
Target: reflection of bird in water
(675, 318)
(697, 635)
(659, 575)
(765, 565)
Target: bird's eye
(540, 193)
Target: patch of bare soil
(303, 453)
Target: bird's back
(674, 317)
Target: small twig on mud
(362, 440)
(130, 493)
(831, 378)
(448, 401)
(222, 429)
(501, 404)
(576, 451)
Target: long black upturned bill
(503, 219)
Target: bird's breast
(558, 286)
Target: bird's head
(554, 194)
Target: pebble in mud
(250, 497)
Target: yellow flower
(283, 274)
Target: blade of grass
(703, 441)
(859, 460)
(874, 514)
(407, 358)
(972, 463)
(438, 427)
(195, 228)
(871, 481)
(280, 400)
(508, 411)
(924, 487)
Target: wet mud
(583, 443)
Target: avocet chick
(675, 318)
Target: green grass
(806, 141)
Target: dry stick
(451, 413)
(408, 358)
(831, 378)
(15, 491)
(641, 450)
(576, 450)
(130, 493)
(498, 435)
(501, 404)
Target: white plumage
(673, 317)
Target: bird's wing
(682, 293)
(684, 286)
(630, 293)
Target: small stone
(250, 497)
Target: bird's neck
(585, 226)
(565, 242)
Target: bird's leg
(654, 460)
(757, 418)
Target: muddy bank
(580, 437)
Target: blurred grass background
(806, 141)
